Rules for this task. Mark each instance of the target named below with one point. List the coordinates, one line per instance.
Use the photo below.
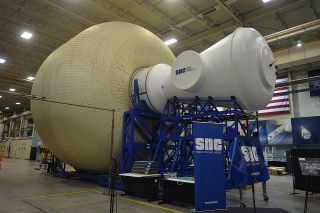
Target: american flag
(279, 103)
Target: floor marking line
(46, 196)
(96, 191)
(34, 206)
(151, 205)
(143, 203)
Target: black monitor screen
(306, 162)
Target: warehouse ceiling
(195, 24)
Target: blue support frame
(176, 141)
(167, 138)
(140, 133)
(57, 169)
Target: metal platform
(141, 185)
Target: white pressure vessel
(151, 81)
(240, 65)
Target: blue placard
(247, 163)
(306, 130)
(274, 132)
(210, 192)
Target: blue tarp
(247, 164)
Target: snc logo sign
(250, 154)
(184, 70)
(208, 144)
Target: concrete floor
(25, 190)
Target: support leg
(293, 189)
(253, 198)
(306, 196)
(242, 205)
(264, 191)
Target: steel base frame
(140, 133)
(57, 168)
(139, 137)
(175, 150)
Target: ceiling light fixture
(265, 1)
(12, 89)
(2, 61)
(26, 35)
(170, 41)
(7, 108)
(0, 96)
(18, 103)
(30, 78)
(299, 43)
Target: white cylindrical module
(150, 81)
(240, 65)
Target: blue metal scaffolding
(176, 137)
(167, 138)
(140, 133)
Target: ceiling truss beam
(31, 27)
(162, 17)
(249, 17)
(280, 19)
(294, 31)
(68, 13)
(8, 33)
(31, 13)
(132, 18)
(315, 12)
(225, 8)
(195, 14)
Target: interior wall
(284, 116)
(304, 105)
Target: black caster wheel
(265, 198)
(242, 205)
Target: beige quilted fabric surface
(93, 68)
